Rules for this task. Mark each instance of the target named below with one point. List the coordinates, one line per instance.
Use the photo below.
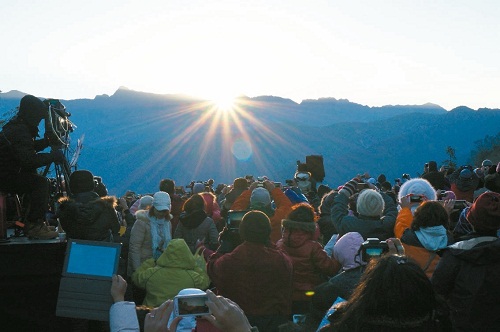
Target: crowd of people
(366, 255)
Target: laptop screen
(90, 258)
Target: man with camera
(19, 160)
(259, 196)
(375, 212)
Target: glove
(57, 156)
(350, 188)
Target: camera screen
(374, 251)
(234, 218)
(192, 305)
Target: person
(231, 194)
(173, 271)
(255, 274)
(424, 233)
(418, 190)
(259, 197)
(84, 215)
(464, 182)
(466, 277)
(20, 157)
(376, 212)
(225, 315)
(311, 264)
(435, 177)
(151, 232)
(407, 304)
(347, 252)
(194, 224)
(325, 223)
(168, 186)
(211, 206)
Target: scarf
(160, 235)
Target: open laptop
(84, 291)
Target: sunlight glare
(224, 103)
(241, 149)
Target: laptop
(84, 291)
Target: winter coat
(381, 228)
(256, 276)
(325, 222)
(436, 179)
(174, 270)
(311, 264)
(18, 150)
(426, 259)
(283, 208)
(140, 243)
(467, 277)
(196, 226)
(86, 216)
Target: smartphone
(191, 305)
(277, 184)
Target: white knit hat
(370, 203)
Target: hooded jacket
(174, 270)
(414, 248)
(196, 226)
(311, 264)
(467, 277)
(87, 216)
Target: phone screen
(192, 305)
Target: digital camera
(191, 305)
(234, 219)
(373, 247)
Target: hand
(226, 314)
(157, 319)
(269, 185)
(118, 288)
(448, 204)
(395, 246)
(405, 201)
(350, 188)
(57, 156)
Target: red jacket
(283, 208)
(256, 276)
(311, 264)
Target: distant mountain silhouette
(133, 139)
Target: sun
(224, 103)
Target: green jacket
(174, 270)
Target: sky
(375, 53)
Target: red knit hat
(484, 214)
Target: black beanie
(32, 110)
(81, 181)
(255, 227)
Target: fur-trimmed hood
(68, 206)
